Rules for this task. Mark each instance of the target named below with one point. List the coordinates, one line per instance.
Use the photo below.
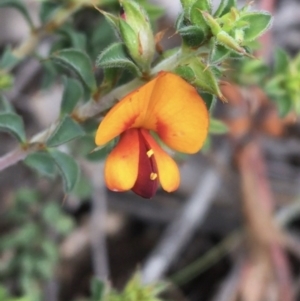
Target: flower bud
(229, 42)
(136, 32)
(212, 23)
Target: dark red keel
(147, 180)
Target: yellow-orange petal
(168, 105)
(168, 172)
(121, 167)
(177, 113)
(127, 113)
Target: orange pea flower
(173, 109)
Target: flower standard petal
(121, 167)
(177, 113)
(128, 113)
(168, 172)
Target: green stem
(13, 157)
(168, 64)
(206, 261)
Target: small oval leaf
(115, 56)
(226, 7)
(13, 123)
(42, 162)
(73, 92)
(220, 9)
(218, 54)
(192, 35)
(67, 130)
(258, 22)
(48, 9)
(75, 38)
(282, 62)
(78, 62)
(68, 168)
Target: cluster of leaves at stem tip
(210, 37)
(280, 83)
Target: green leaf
(199, 75)
(84, 188)
(180, 21)
(209, 99)
(284, 105)
(76, 39)
(73, 92)
(5, 105)
(67, 130)
(275, 85)
(112, 20)
(50, 74)
(100, 37)
(8, 60)
(111, 77)
(19, 5)
(193, 35)
(48, 9)
(49, 247)
(101, 152)
(258, 22)
(217, 127)
(218, 54)
(186, 72)
(77, 61)
(63, 223)
(98, 289)
(229, 42)
(25, 198)
(115, 56)
(220, 9)
(154, 11)
(13, 124)
(196, 16)
(226, 7)
(282, 62)
(42, 162)
(6, 81)
(68, 168)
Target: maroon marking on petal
(147, 180)
(161, 128)
(130, 122)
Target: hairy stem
(13, 157)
